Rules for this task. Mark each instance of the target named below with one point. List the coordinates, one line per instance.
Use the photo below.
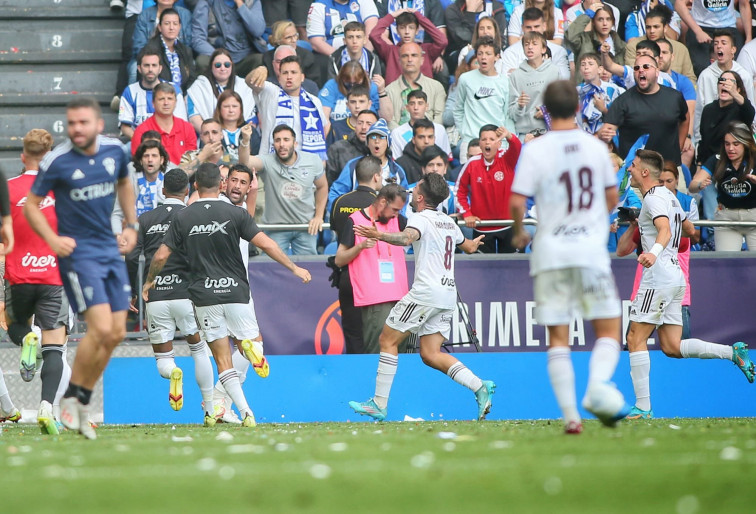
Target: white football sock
(203, 373)
(230, 381)
(604, 359)
(241, 364)
(562, 377)
(64, 379)
(387, 365)
(5, 400)
(462, 375)
(640, 370)
(165, 363)
(698, 349)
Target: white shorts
(563, 294)
(408, 316)
(163, 317)
(230, 319)
(658, 306)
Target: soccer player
(85, 173)
(168, 305)
(33, 287)
(574, 184)
(429, 306)
(207, 233)
(657, 306)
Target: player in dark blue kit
(85, 173)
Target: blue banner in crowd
(305, 319)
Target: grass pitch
(667, 465)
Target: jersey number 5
(585, 194)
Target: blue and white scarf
(148, 193)
(174, 64)
(313, 136)
(395, 5)
(364, 61)
(590, 116)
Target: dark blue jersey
(85, 192)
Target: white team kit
(568, 172)
(430, 303)
(659, 298)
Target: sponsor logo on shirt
(92, 192)
(447, 282)
(167, 280)
(42, 261)
(220, 283)
(158, 228)
(209, 229)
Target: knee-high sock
(230, 381)
(562, 377)
(640, 369)
(698, 349)
(64, 379)
(241, 365)
(604, 359)
(462, 375)
(52, 372)
(5, 400)
(165, 363)
(203, 373)
(387, 364)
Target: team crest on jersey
(109, 164)
(499, 176)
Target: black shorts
(48, 305)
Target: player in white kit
(429, 306)
(657, 305)
(574, 184)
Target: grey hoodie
(533, 82)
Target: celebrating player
(429, 306)
(574, 184)
(657, 305)
(83, 173)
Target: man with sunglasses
(648, 108)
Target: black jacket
(186, 62)
(410, 162)
(340, 153)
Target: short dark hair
(147, 145)
(391, 192)
(417, 93)
(208, 121)
(532, 14)
(432, 152)
(292, 58)
(653, 160)
(474, 142)
(724, 33)
(152, 134)
(434, 188)
(208, 176)
(561, 99)
(488, 127)
(407, 18)
(144, 52)
(666, 42)
(423, 123)
(168, 11)
(175, 181)
(367, 167)
(241, 168)
(163, 87)
(358, 90)
(487, 41)
(589, 55)
(648, 45)
(281, 128)
(370, 112)
(660, 11)
(85, 102)
(354, 26)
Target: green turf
(667, 465)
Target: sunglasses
(226, 64)
(647, 66)
(722, 80)
(376, 136)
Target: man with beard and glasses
(648, 108)
(84, 173)
(289, 176)
(378, 274)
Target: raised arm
(405, 238)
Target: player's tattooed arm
(158, 261)
(404, 238)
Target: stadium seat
(331, 248)
(44, 41)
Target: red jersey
(31, 261)
(483, 190)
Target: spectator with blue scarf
(595, 95)
(176, 57)
(147, 26)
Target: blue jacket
(347, 180)
(237, 30)
(145, 27)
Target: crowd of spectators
(408, 81)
